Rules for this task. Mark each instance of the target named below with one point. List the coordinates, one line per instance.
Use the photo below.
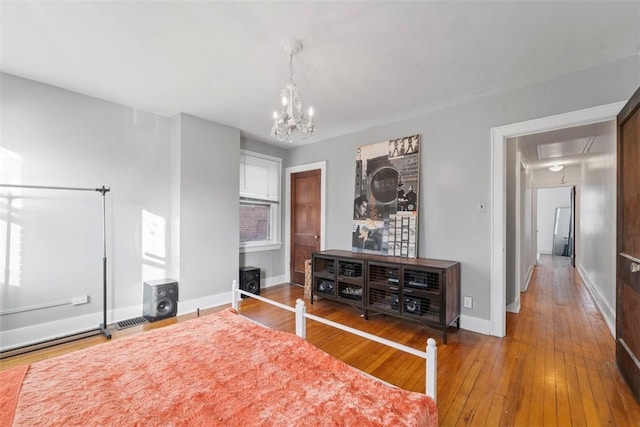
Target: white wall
(455, 168)
(520, 257)
(597, 244)
(527, 250)
(181, 173)
(519, 227)
(512, 180)
(549, 199)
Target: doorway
(628, 245)
(555, 227)
(500, 136)
(289, 256)
(305, 221)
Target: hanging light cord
(563, 180)
(291, 67)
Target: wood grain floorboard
(555, 367)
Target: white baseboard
(475, 324)
(528, 279)
(514, 307)
(21, 337)
(272, 281)
(33, 334)
(51, 330)
(209, 301)
(607, 312)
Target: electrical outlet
(468, 302)
(80, 300)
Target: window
(259, 202)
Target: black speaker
(325, 286)
(415, 306)
(160, 299)
(250, 280)
(395, 302)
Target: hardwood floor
(556, 367)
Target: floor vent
(130, 322)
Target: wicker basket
(307, 279)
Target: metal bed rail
(430, 355)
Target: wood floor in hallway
(560, 357)
(556, 367)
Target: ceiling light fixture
(556, 167)
(289, 122)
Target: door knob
(634, 267)
(316, 236)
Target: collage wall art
(385, 206)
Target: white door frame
(499, 136)
(287, 225)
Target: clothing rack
(103, 191)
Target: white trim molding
(267, 282)
(608, 313)
(514, 307)
(499, 136)
(265, 192)
(528, 279)
(475, 324)
(322, 165)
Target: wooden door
(305, 220)
(628, 245)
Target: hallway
(564, 371)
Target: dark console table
(420, 290)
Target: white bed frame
(300, 310)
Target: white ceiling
(363, 63)
(564, 146)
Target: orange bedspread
(215, 370)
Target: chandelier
(291, 121)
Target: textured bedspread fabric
(217, 370)
(10, 386)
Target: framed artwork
(385, 205)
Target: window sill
(259, 247)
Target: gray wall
(177, 170)
(209, 213)
(456, 164)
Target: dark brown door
(305, 220)
(628, 246)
